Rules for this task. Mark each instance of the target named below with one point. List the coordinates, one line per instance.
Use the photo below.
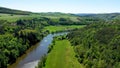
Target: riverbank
(35, 53)
(38, 52)
(62, 55)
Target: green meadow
(62, 28)
(62, 56)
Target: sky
(65, 6)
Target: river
(33, 55)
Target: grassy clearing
(62, 56)
(61, 28)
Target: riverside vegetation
(96, 45)
(60, 55)
(19, 31)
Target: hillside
(97, 45)
(12, 11)
(13, 15)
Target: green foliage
(97, 45)
(10, 49)
(106, 33)
(15, 39)
(41, 64)
(29, 35)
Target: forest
(97, 45)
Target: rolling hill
(105, 16)
(13, 11)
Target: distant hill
(12, 11)
(105, 16)
(84, 14)
(56, 14)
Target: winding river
(35, 53)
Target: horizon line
(60, 11)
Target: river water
(33, 55)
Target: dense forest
(97, 45)
(16, 38)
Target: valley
(58, 40)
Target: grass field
(14, 17)
(62, 56)
(61, 28)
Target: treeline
(63, 21)
(97, 45)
